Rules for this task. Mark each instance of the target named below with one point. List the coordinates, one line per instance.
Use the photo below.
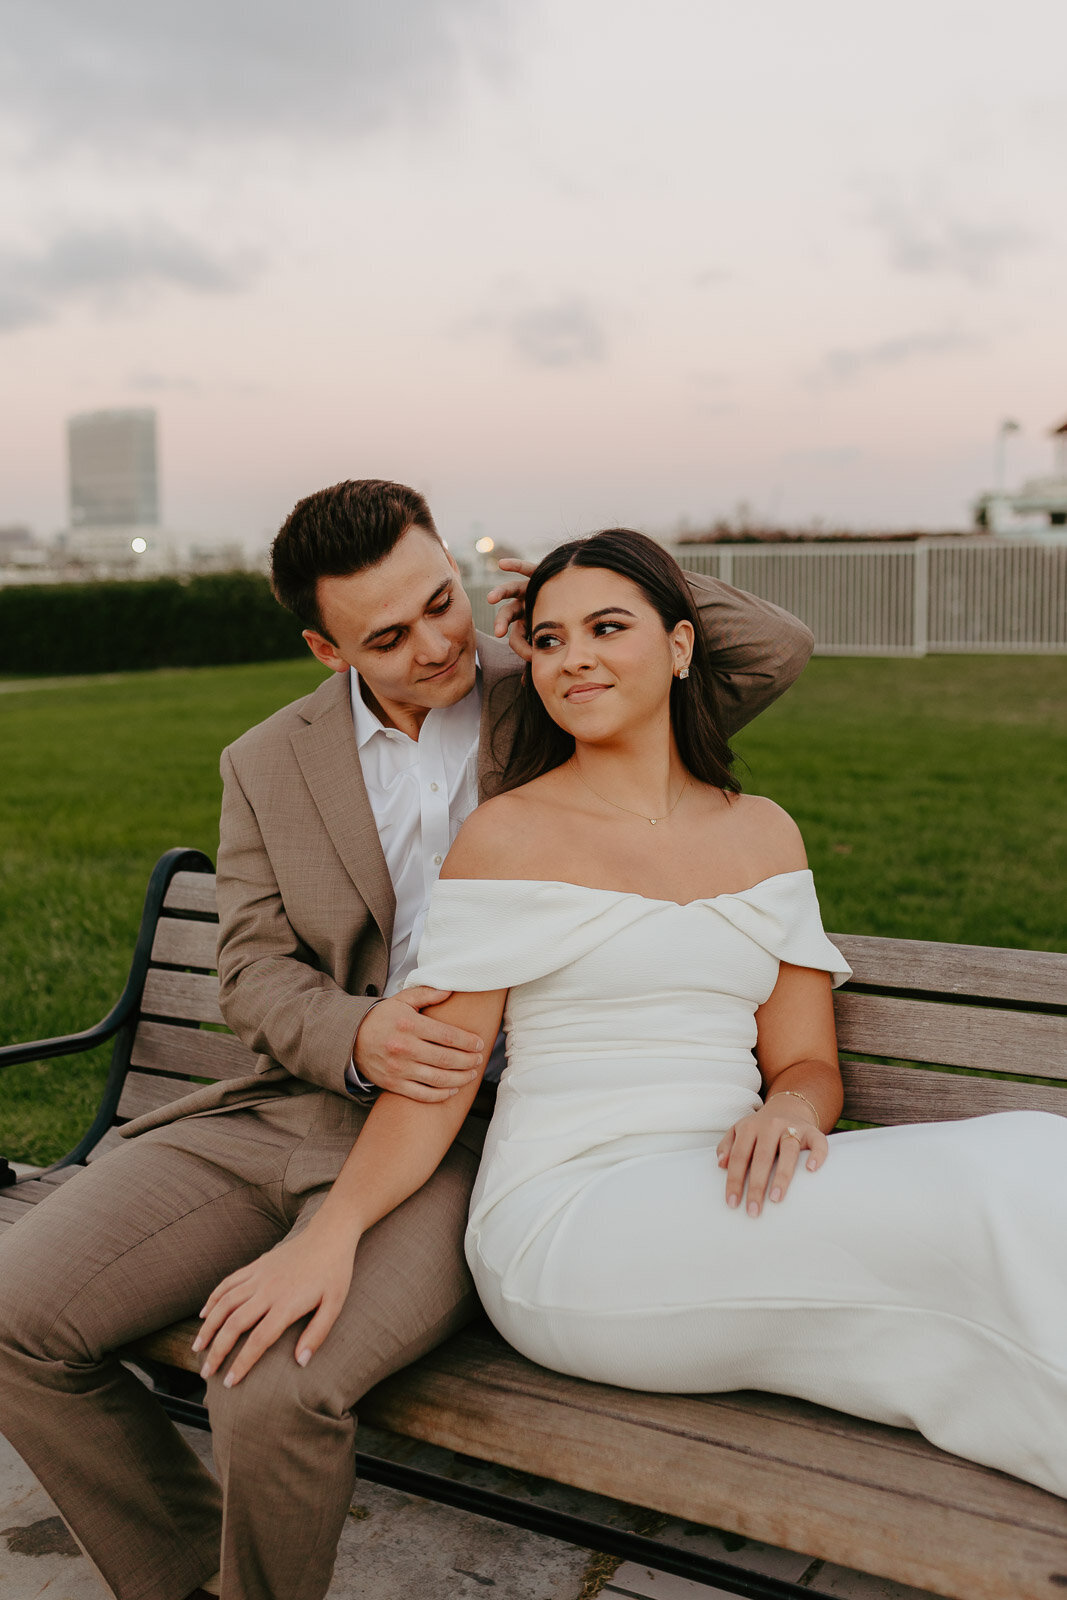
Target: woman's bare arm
(796, 1050)
(400, 1146)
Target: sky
(560, 264)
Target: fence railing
(931, 596)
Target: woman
(656, 1207)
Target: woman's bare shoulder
(770, 831)
(498, 839)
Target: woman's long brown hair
(540, 744)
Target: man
(337, 813)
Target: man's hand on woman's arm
(399, 1047)
(309, 1273)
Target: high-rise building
(113, 469)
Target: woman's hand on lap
(300, 1275)
(762, 1143)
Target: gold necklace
(629, 812)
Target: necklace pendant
(653, 820)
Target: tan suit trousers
(139, 1240)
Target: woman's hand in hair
(510, 598)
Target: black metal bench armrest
(122, 1017)
(68, 1044)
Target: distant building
(114, 496)
(204, 558)
(113, 481)
(1040, 504)
(20, 552)
(16, 536)
(114, 530)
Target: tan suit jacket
(305, 901)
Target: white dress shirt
(421, 791)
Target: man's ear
(324, 650)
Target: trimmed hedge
(214, 620)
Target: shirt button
(437, 860)
(433, 788)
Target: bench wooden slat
(886, 1094)
(193, 892)
(919, 1516)
(191, 1052)
(20, 1197)
(29, 1191)
(182, 943)
(145, 1091)
(763, 1466)
(906, 1461)
(952, 1035)
(189, 995)
(173, 1345)
(59, 1177)
(111, 1141)
(1035, 977)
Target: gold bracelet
(798, 1096)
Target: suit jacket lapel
(329, 761)
(501, 673)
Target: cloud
(106, 264)
(836, 457)
(163, 383)
(149, 382)
(709, 378)
(124, 77)
(564, 333)
(843, 365)
(709, 276)
(922, 235)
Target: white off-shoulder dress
(918, 1279)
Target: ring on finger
(793, 1133)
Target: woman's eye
(545, 641)
(603, 628)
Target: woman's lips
(583, 692)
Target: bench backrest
(995, 1019)
(180, 1035)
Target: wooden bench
(756, 1465)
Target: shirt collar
(367, 722)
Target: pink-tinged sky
(559, 264)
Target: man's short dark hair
(336, 532)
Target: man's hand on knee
(399, 1049)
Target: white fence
(931, 596)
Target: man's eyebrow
(605, 611)
(395, 627)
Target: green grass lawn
(931, 794)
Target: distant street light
(484, 546)
(139, 546)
